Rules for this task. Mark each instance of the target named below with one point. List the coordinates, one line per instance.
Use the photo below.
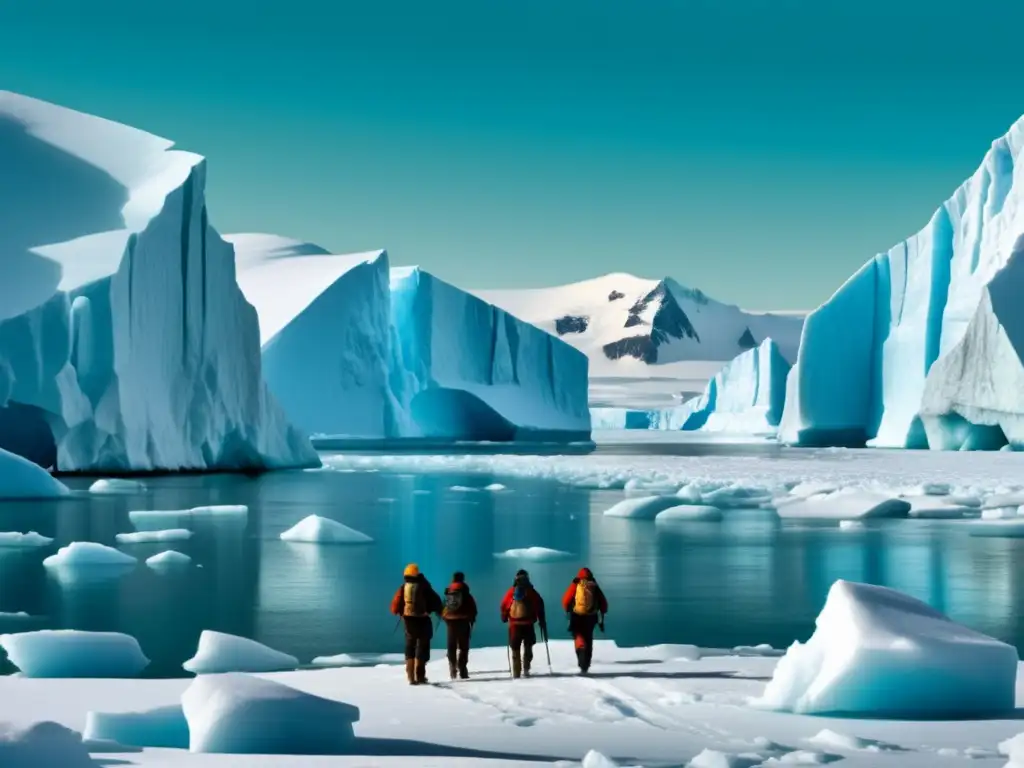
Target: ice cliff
(746, 397)
(355, 349)
(922, 347)
(125, 343)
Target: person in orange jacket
(521, 608)
(414, 601)
(459, 616)
(586, 605)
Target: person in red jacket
(459, 616)
(521, 608)
(414, 601)
(586, 605)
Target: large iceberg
(355, 349)
(922, 347)
(878, 652)
(746, 397)
(22, 479)
(125, 343)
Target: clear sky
(760, 150)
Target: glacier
(922, 347)
(355, 349)
(746, 397)
(125, 343)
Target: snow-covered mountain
(125, 343)
(645, 331)
(356, 350)
(923, 346)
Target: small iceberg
(321, 530)
(146, 537)
(847, 504)
(643, 507)
(88, 554)
(164, 727)
(359, 660)
(495, 487)
(1011, 528)
(219, 652)
(851, 525)
(23, 479)
(13, 539)
(168, 559)
(534, 554)
(689, 512)
(73, 653)
(116, 485)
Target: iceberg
(146, 537)
(162, 727)
(689, 512)
(115, 485)
(108, 247)
(877, 652)
(922, 347)
(321, 530)
(21, 479)
(30, 539)
(354, 349)
(534, 554)
(241, 714)
(168, 559)
(643, 507)
(219, 652)
(88, 554)
(73, 653)
(42, 744)
(845, 504)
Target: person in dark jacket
(521, 608)
(414, 601)
(459, 616)
(586, 605)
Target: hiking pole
(508, 655)
(547, 651)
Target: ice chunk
(594, 759)
(321, 530)
(72, 653)
(241, 714)
(851, 525)
(79, 554)
(688, 512)
(847, 504)
(836, 740)
(219, 652)
(144, 537)
(30, 539)
(1013, 748)
(1000, 513)
(159, 519)
(22, 479)
(998, 529)
(43, 744)
(535, 554)
(494, 487)
(643, 507)
(359, 660)
(876, 652)
(998, 500)
(799, 757)
(711, 758)
(161, 727)
(938, 508)
(117, 485)
(463, 489)
(168, 559)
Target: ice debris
(88, 554)
(74, 653)
(219, 652)
(146, 537)
(321, 530)
(161, 727)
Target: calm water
(748, 580)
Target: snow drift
(878, 652)
(922, 347)
(125, 343)
(355, 349)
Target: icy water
(750, 579)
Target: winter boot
(463, 672)
(410, 671)
(421, 673)
(526, 669)
(517, 667)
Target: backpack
(585, 602)
(453, 601)
(414, 600)
(520, 610)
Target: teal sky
(759, 150)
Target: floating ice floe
(851, 525)
(219, 652)
(13, 539)
(689, 512)
(878, 652)
(116, 485)
(161, 727)
(159, 519)
(242, 714)
(146, 537)
(168, 559)
(938, 508)
(73, 653)
(535, 554)
(88, 554)
(1011, 528)
(321, 530)
(845, 504)
(643, 507)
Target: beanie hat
(412, 570)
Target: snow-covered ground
(640, 707)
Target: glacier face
(130, 347)
(746, 397)
(355, 349)
(921, 347)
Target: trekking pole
(508, 656)
(547, 651)
(397, 622)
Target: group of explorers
(522, 607)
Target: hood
(585, 574)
